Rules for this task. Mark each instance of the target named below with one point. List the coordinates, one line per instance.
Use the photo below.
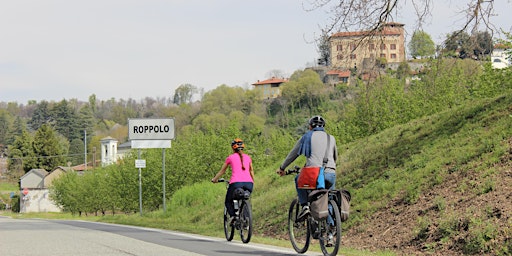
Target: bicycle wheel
(229, 230)
(298, 231)
(330, 236)
(246, 222)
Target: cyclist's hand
(215, 180)
(280, 172)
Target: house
(365, 49)
(123, 149)
(499, 57)
(269, 88)
(35, 193)
(33, 179)
(48, 179)
(335, 76)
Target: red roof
(387, 30)
(339, 73)
(272, 80)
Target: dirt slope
(418, 229)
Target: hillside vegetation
(439, 185)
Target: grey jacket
(318, 144)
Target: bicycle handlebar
(296, 169)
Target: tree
(507, 44)
(65, 120)
(21, 153)
(41, 115)
(324, 50)
(458, 44)
(5, 127)
(183, 94)
(421, 45)
(462, 45)
(371, 15)
(76, 152)
(47, 148)
(483, 45)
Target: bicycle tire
(298, 232)
(336, 231)
(229, 230)
(245, 221)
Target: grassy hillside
(437, 185)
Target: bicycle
(302, 230)
(243, 215)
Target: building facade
(365, 49)
(269, 88)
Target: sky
(132, 49)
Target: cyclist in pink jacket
(242, 173)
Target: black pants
(229, 194)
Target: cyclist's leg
(330, 178)
(229, 199)
(302, 193)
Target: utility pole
(85, 150)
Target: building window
(339, 47)
(372, 47)
(383, 46)
(339, 57)
(393, 46)
(383, 55)
(353, 47)
(352, 56)
(393, 56)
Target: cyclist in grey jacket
(313, 145)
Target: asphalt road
(27, 237)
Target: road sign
(25, 191)
(140, 163)
(151, 129)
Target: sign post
(151, 133)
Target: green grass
(7, 187)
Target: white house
(499, 57)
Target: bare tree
(371, 15)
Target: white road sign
(140, 163)
(151, 129)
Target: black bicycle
(243, 215)
(301, 230)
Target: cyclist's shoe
(330, 238)
(303, 213)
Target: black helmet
(317, 121)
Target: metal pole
(85, 150)
(140, 187)
(163, 177)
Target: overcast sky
(70, 49)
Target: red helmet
(237, 144)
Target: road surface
(27, 237)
